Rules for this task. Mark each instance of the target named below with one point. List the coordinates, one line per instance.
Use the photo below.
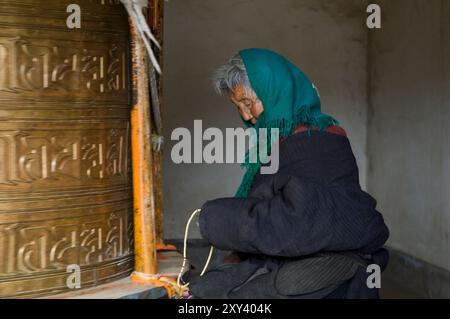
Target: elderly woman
(307, 231)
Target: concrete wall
(409, 130)
(326, 38)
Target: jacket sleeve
(294, 218)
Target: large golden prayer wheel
(65, 186)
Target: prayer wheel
(65, 179)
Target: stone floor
(390, 290)
(119, 289)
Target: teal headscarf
(289, 99)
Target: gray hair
(230, 75)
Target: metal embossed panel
(65, 187)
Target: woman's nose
(246, 117)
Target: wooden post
(142, 165)
(155, 14)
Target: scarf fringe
(286, 127)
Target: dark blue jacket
(308, 231)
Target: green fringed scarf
(289, 99)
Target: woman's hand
(232, 258)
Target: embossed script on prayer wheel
(65, 186)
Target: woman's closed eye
(242, 109)
(246, 101)
(247, 104)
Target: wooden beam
(156, 16)
(142, 164)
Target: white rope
(135, 10)
(207, 261)
(186, 232)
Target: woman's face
(249, 106)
